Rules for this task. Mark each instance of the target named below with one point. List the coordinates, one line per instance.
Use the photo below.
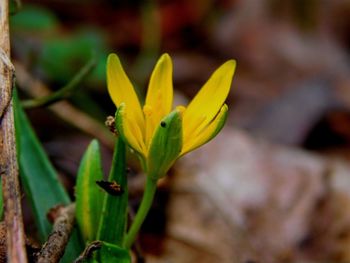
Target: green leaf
(112, 253)
(166, 145)
(41, 184)
(114, 213)
(89, 196)
(34, 18)
(37, 174)
(61, 56)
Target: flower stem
(146, 203)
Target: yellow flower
(156, 133)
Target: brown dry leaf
(238, 199)
(277, 57)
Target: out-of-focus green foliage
(57, 55)
(61, 56)
(33, 18)
(66, 91)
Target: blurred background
(274, 185)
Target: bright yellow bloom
(201, 121)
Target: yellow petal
(121, 89)
(159, 97)
(129, 131)
(150, 122)
(208, 101)
(207, 133)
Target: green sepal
(221, 122)
(89, 196)
(165, 146)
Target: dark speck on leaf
(113, 188)
(163, 124)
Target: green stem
(64, 92)
(146, 203)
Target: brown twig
(88, 251)
(63, 109)
(53, 249)
(16, 252)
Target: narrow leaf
(112, 253)
(114, 213)
(89, 196)
(41, 184)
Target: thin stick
(16, 252)
(53, 249)
(64, 92)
